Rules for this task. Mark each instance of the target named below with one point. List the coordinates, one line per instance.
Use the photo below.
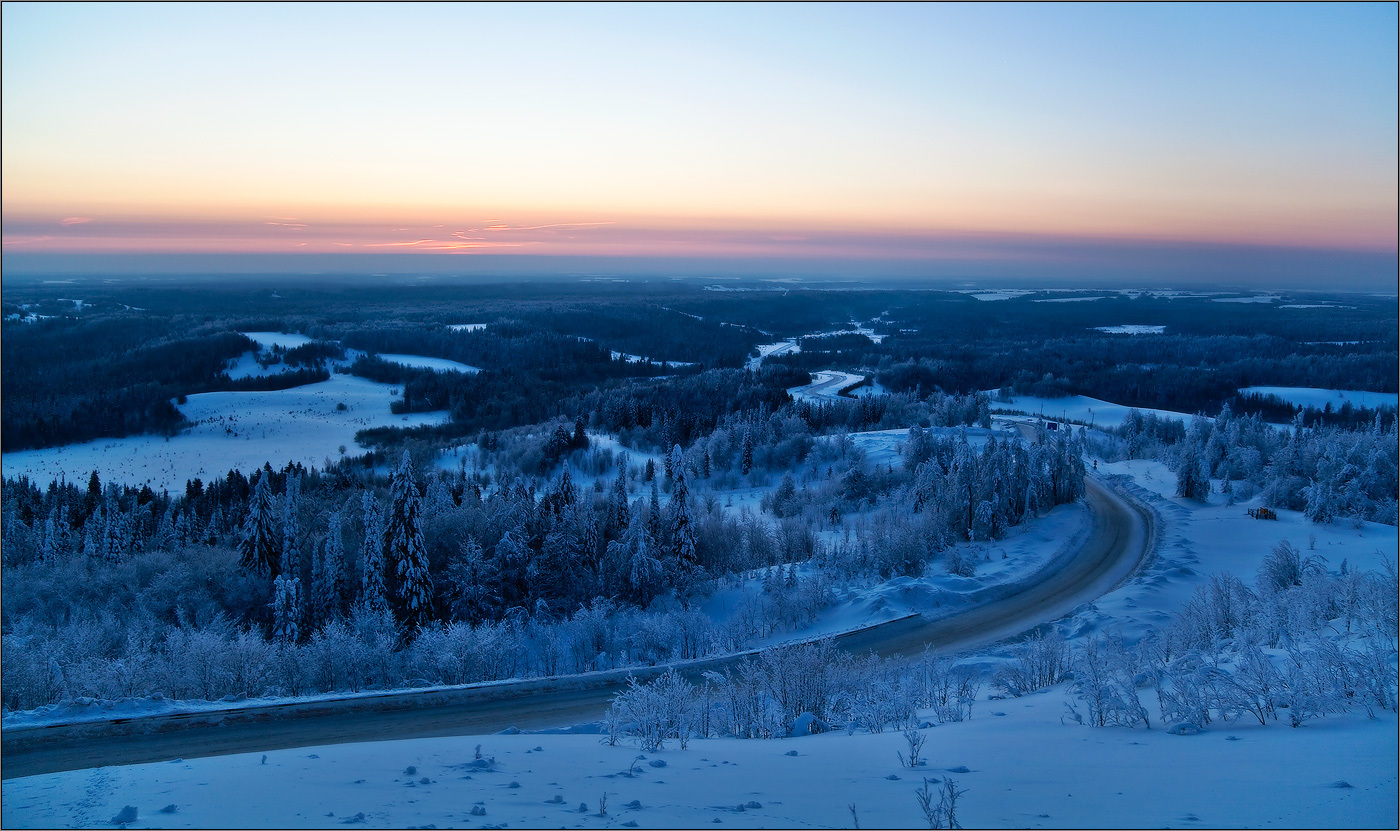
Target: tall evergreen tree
(682, 525)
(405, 549)
(259, 550)
(333, 570)
(291, 555)
(286, 608)
(372, 593)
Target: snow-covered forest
(583, 489)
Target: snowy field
(1319, 398)
(232, 430)
(1068, 299)
(1337, 773)
(787, 347)
(267, 340)
(826, 386)
(1132, 329)
(642, 359)
(423, 362)
(1255, 298)
(466, 327)
(1077, 408)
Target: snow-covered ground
(787, 347)
(423, 362)
(466, 327)
(1077, 408)
(1132, 329)
(1319, 398)
(641, 359)
(1021, 762)
(1254, 298)
(1062, 776)
(1198, 540)
(826, 385)
(1002, 294)
(1068, 299)
(267, 340)
(232, 430)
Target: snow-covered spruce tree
(618, 515)
(654, 523)
(372, 593)
(332, 589)
(286, 608)
(1191, 479)
(682, 525)
(291, 554)
(259, 549)
(405, 550)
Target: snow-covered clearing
(1002, 294)
(424, 362)
(466, 327)
(826, 385)
(1320, 398)
(1068, 299)
(787, 347)
(642, 359)
(231, 430)
(267, 340)
(1132, 329)
(1076, 408)
(1256, 298)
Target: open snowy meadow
(231, 430)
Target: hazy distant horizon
(1140, 266)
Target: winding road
(1117, 543)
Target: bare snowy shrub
(1104, 680)
(1255, 685)
(660, 710)
(1186, 690)
(915, 740)
(944, 814)
(1285, 566)
(1038, 661)
(948, 690)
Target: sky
(1018, 138)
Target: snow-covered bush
(1039, 660)
(659, 710)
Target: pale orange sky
(693, 130)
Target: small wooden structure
(1263, 513)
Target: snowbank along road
(1116, 545)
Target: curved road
(1112, 550)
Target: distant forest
(117, 364)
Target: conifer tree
(291, 555)
(258, 547)
(333, 570)
(372, 593)
(682, 525)
(405, 549)
(618, 512)
(286, 608)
